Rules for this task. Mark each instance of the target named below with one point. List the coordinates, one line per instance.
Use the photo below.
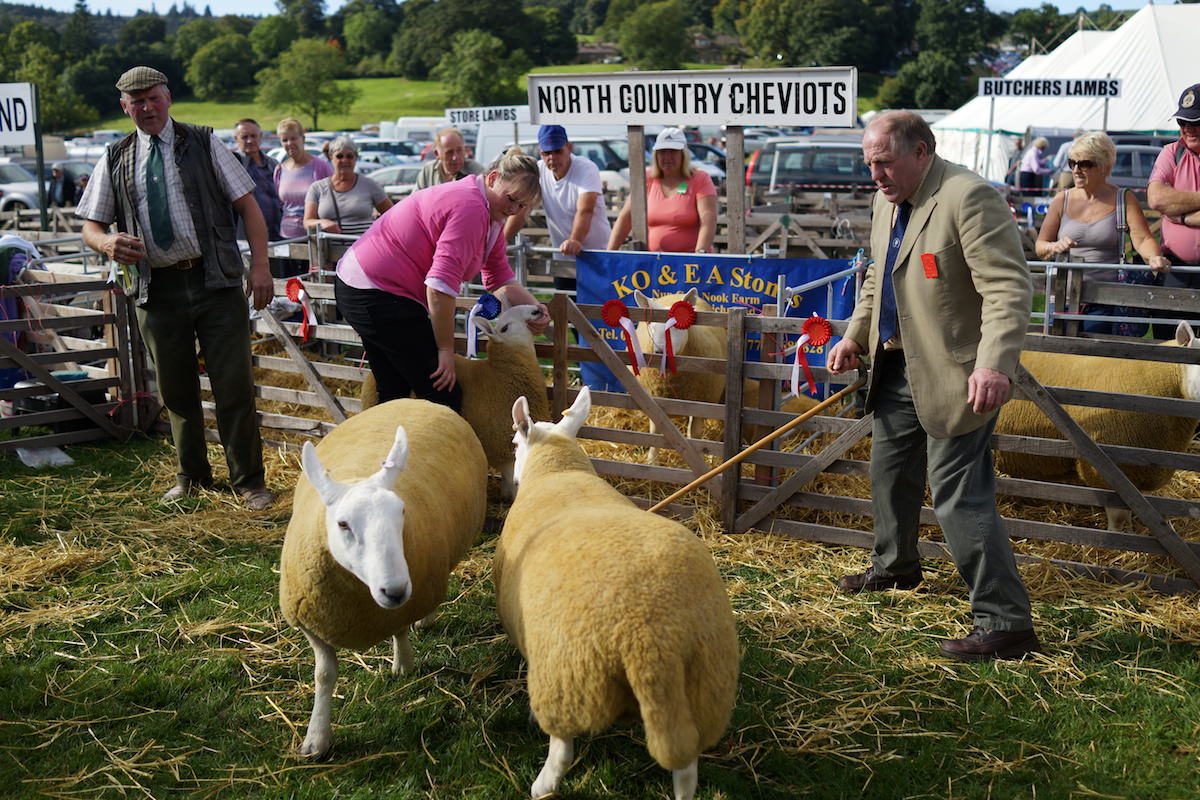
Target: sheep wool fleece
(615, 610)
(444, 488)
(1105, 425)
(491, 386)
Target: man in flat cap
(173, 190)
(61, 190)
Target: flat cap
(139, 78)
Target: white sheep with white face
(617, 611)
(387, 505)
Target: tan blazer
(963, 293)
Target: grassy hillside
(382, 99)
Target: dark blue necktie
(887, 293)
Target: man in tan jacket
(943, 313)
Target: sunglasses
(1084, 164)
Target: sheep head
(529, 432)
(651, 335)
(364, 523)
(509, 327)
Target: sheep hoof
(317, 746)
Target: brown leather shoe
(872, 581)
(984, 645)
(258, 499)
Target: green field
(144, 656)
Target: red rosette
(294, 288)
(612, 311)
(684, 314)
(818, 330)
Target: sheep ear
(577, 414)
(641, 299)
(484, 325)
(396, 461)
(327, 488)
(1184, 335)
(692, 294)
(520, 414)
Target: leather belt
(187, 263)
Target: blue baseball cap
(552, 137)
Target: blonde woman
(298, 170)
(396, 286)
(681, 202)
(1082, 221)
(345, 202)
(1033, 165)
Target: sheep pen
(145, 655)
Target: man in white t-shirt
(573, 198)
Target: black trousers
(398, 338)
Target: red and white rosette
(815, 331)
(683, 315)
(616, 315)
(296, 293)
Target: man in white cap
(1174, 190)
(61, 190)
(174, 192)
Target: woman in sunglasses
(1082, 222)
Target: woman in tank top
(1082, 221)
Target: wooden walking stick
(740, 457)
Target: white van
(420, 128)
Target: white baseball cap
(670, 139)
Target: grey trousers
(963, 484)
(178, 313)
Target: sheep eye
(504, 329)
(343, 525)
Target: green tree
(931, 80)
(430, 28)
(367, 32)
(221, 67)
(272, 35)
(304, 81)
(142, 31)
(193, 35)
(726, 15)
(309, 15)
(79, 35)
(478, 72)
(801, 33)
(551, 40)
(1041, 24)
(58, 107)
(655, 36)
(958, 29)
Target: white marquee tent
(1153, 54)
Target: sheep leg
(652, 456)
(562, 752)
(402, 654)
(685, 781)
(508, 485)
(1119, 519)
(319, 738)
(427, 620)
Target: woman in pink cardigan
(396, 286)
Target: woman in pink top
(681, 202)
(396, 286)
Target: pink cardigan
(434, 235)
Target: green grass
(144, 655)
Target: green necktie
(156, 198)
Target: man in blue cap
(572, 196)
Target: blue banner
(723, 282)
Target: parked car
(1133, 166)
(397, 147)
(835, 164)
(18, 188)
(278, 154)
(371, 160)
(397, 180)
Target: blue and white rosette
(488, 307)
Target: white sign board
(1050, 87)
(474, 116)
(820, 96)
(16, 114)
